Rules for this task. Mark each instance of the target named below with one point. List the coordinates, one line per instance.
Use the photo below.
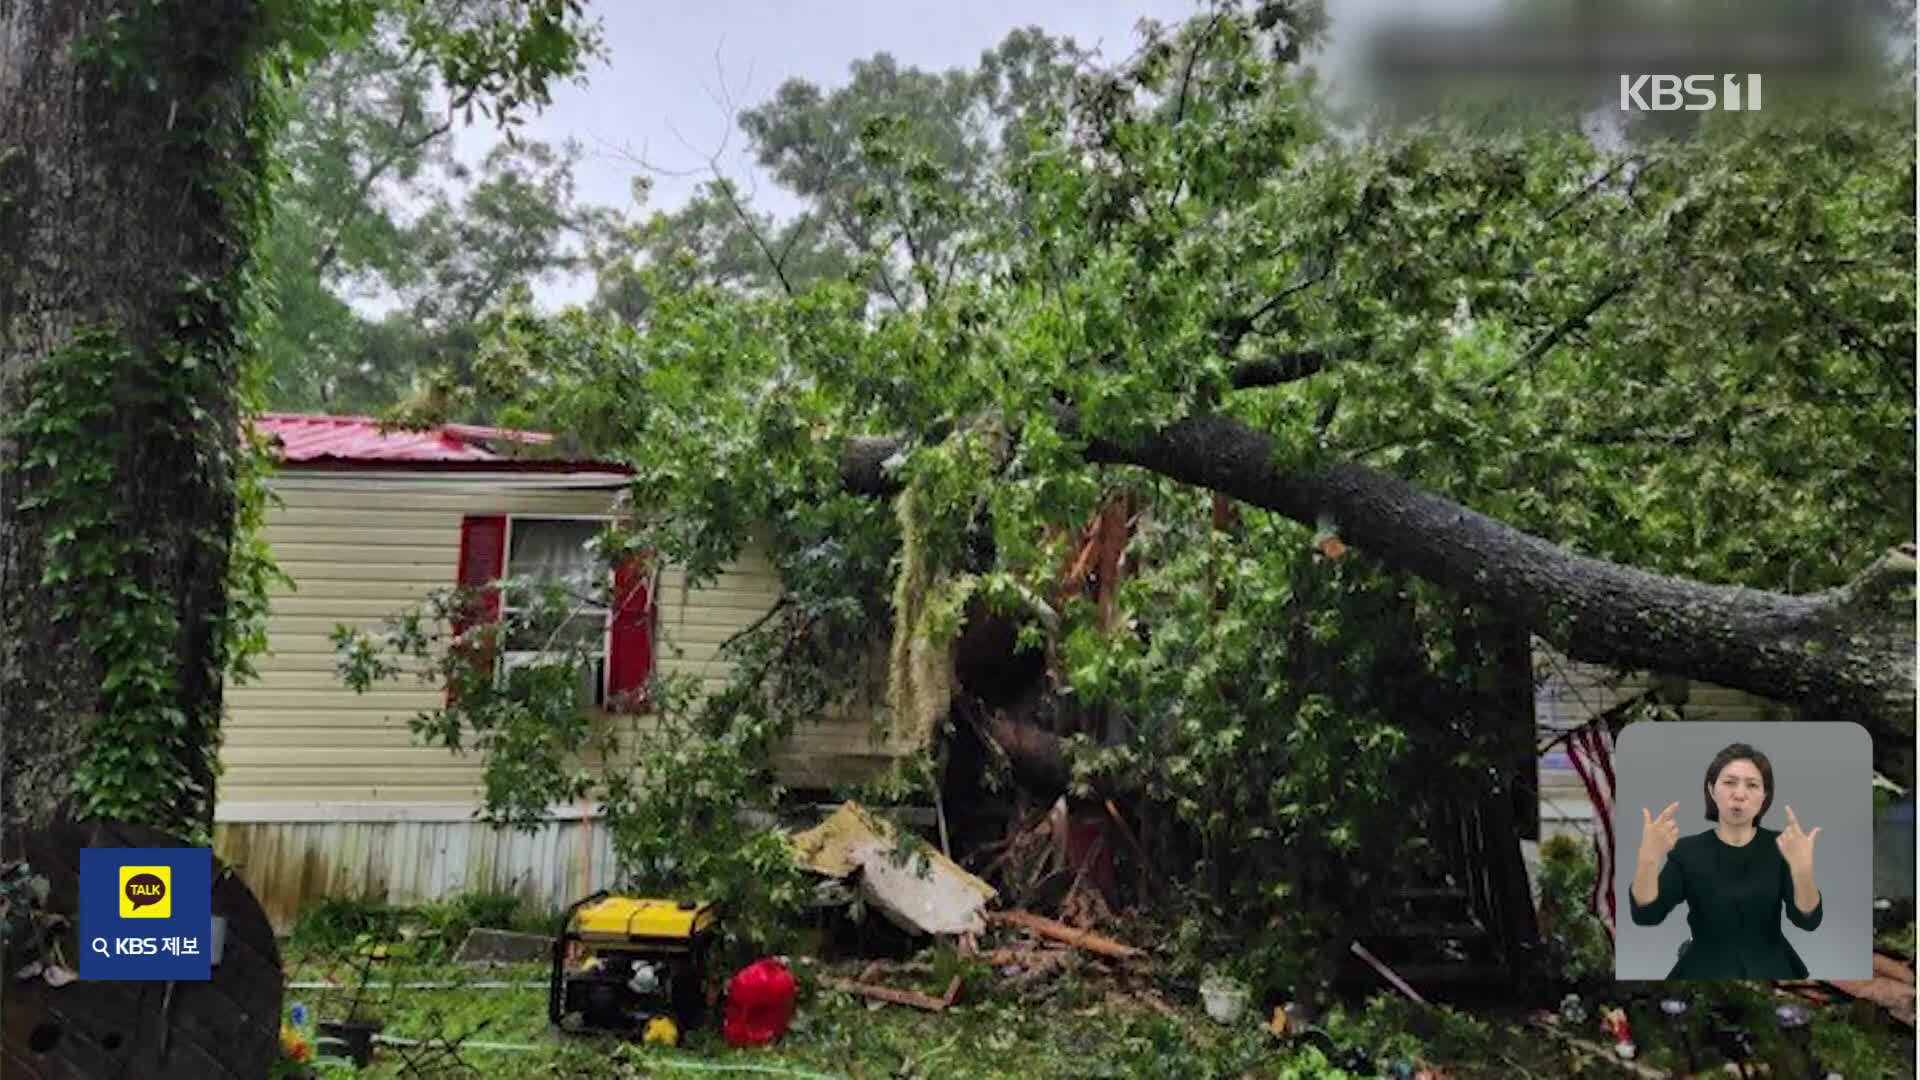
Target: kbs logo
(146, 892)
(1694, 93)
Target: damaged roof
(319, 440)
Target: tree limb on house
(1845, 653)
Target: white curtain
(555, 551)
(558, 551)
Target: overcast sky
(663, 92)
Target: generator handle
(567, 917)
(557, 974)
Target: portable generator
(631, 966)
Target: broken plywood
(916, 887)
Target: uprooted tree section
(1235, 457)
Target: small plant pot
(1225, 999)
(357, 1035)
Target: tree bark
(107, 216)
(1841, 654)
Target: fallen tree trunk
(1843, 654)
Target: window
(608, 617)
(559, 552)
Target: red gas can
(759, 1003)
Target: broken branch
(912, 998)
(1893, 570)
(1387, 973)
(1081, 939)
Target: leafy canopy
(1687, 354)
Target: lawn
(1074, 1031)
(1074, 1018)
(1076, 1025)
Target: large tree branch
(1280, 369)
(1834, 651)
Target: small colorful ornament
(294, 1046)
(1614, 1022)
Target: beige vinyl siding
(362, 549)
(693, 625)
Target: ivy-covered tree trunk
(130, 178)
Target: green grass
(1896, 941)
(1073, 1032)
(431, 932)
(1074, 1027)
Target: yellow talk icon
(146, 892)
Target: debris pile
(899, 875)
(1891, 988)
(921, 891)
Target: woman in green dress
(1735, 878)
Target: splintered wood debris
(913, 885)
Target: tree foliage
(1621, 351)
(880, 164)
(377, 211)
(1688, 356)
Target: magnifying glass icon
(100, 946)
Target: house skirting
(295, 854)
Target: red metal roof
(347, 440)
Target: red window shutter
(483, 557)
(630, 655)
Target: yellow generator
(631, 966)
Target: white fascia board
(464, 483)
(321, 812)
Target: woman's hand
(1658, 835)
(1796, 846)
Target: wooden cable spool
(226, 1027)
